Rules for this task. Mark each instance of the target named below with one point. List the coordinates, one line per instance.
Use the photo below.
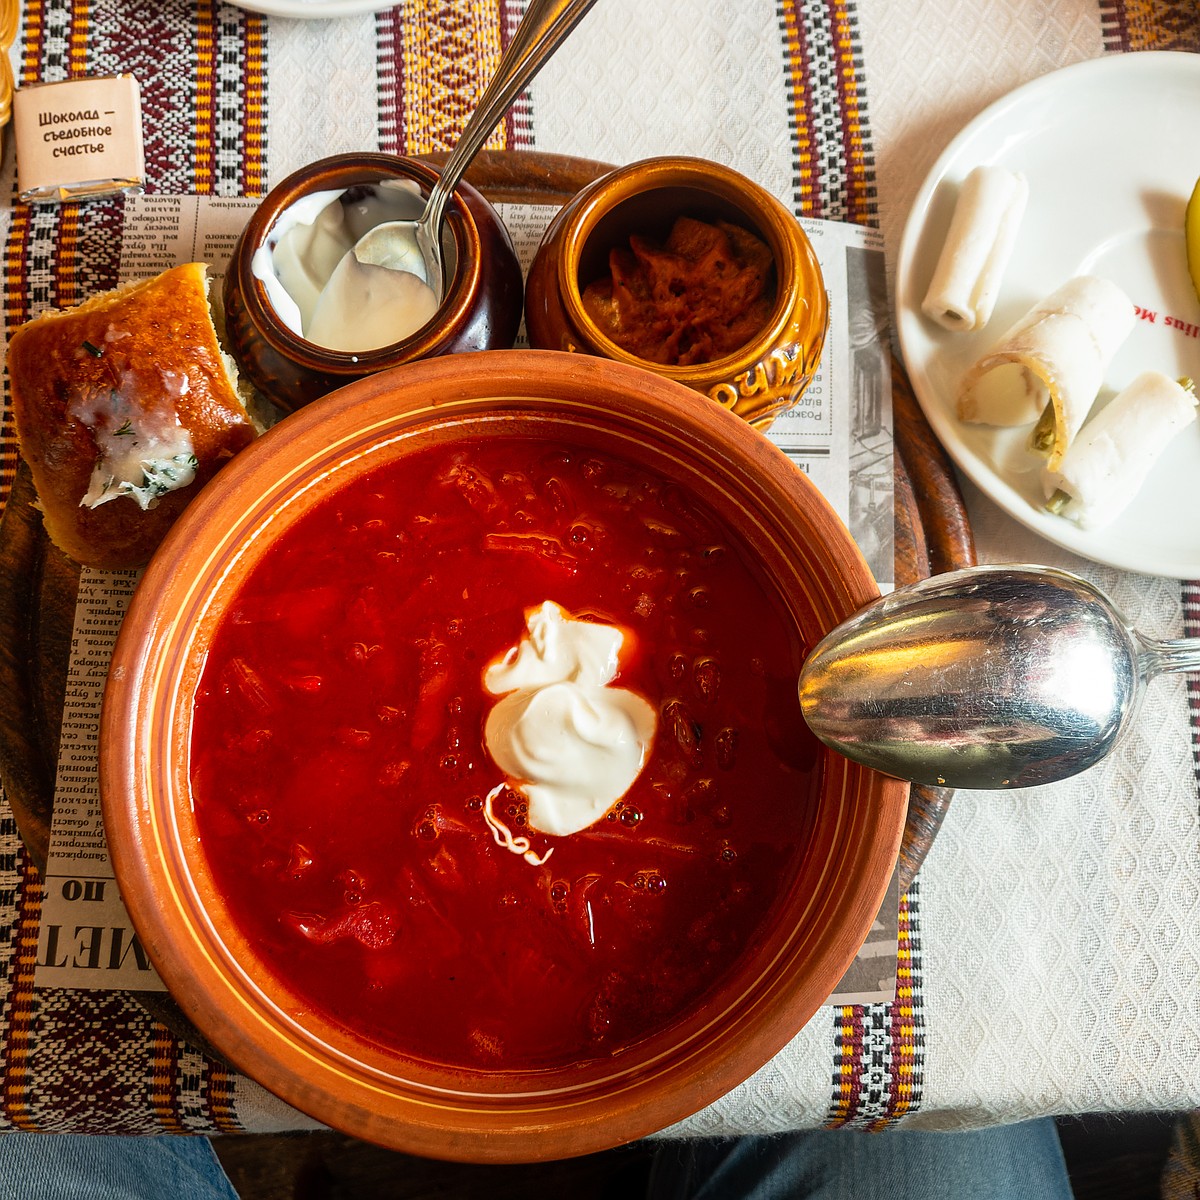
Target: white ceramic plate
(314, 8)
(1110, 152)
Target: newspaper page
(840, 435)
(86, 938)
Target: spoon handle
(1161, 656)
(542, 30)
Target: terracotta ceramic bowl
(217, 973)
(481, 309)
(758, 380)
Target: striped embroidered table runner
(827, 103)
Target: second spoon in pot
(416, 246)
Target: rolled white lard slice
(1056, 356)
(983, 230)
(1116, 450)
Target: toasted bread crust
(155, 342)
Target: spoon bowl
(987, 677)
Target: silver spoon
(416, 246)
(988, 677)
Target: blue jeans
(1011, 1162)
(59, 1166)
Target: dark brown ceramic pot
(760, 379)
(481, 309)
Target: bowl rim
(147, 850)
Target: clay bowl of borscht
(453, 767)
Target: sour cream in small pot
(318, 287)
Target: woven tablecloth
(1050, 948)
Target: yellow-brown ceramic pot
(763, 378)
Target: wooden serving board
(38, 584)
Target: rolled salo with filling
(1049, 366)
(979, 243)
(1108, 462)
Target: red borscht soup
(340, 775)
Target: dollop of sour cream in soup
(564, 736)
(318, 287)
